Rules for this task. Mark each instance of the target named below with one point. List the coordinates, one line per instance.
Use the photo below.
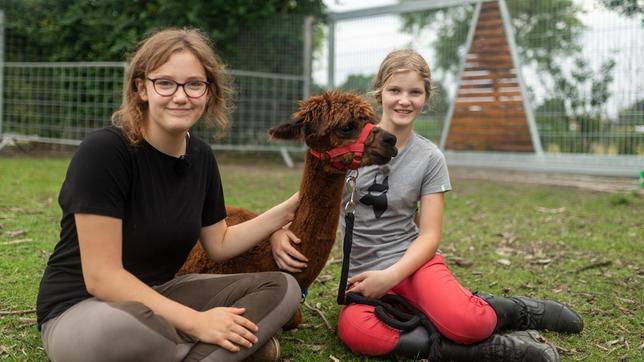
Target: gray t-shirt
(386, 202)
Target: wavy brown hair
(154, 51)
(402, 60)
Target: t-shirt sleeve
(214, 208)
(98, 177)
(436, 178)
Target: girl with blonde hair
(394, 253)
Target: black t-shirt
(162, 210)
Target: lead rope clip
(351, 184)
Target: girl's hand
(225, 327)
(372, 284)
(286, 256)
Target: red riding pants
(457, 314)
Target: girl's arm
(374, 284)
(223, 242)
(100, 242)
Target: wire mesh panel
(64, 101)
(581, 62)
(589, 95)
(60, 101)
(262, 100)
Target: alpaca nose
(388, 140)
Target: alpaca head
(335, 120)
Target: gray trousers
(94, 330)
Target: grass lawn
(585, 249)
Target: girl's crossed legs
(457, 314)
(94, 330)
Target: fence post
(331, 58)
(308, 55)
(2, 140)
(527, 103)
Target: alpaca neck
(317, 216)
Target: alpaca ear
(287, 131)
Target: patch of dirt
(584, 182)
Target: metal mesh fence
(60, 102)
(581, 62)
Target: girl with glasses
(136, 198)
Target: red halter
(357, 148)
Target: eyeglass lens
(167, 87)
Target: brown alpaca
(325, 122)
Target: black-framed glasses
(168, 87)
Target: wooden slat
(485, 102)
(492, 75)
(517, 112)
(489, 23)
(494, 94)
(498, 32)
(510, 122)
(488, 16)
(487, 66)
(490, 56)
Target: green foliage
(633, 115)
(573, 117)
(359, 83)
(629, 8)
(105, 30)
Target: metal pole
(468, 44)
(1, 72)
(527, 105)
(331, 60)
(308, 56)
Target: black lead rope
(346, 249)
(349, 218)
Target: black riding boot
(523, 313)
(517, 346)
(527, 346)
(414, 344)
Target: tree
(633, 115)
(93, 30)
(629, 8)
(359, 83)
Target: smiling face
(177, 113)
(403, 97)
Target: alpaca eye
(348, 128)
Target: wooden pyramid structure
(489, 112)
